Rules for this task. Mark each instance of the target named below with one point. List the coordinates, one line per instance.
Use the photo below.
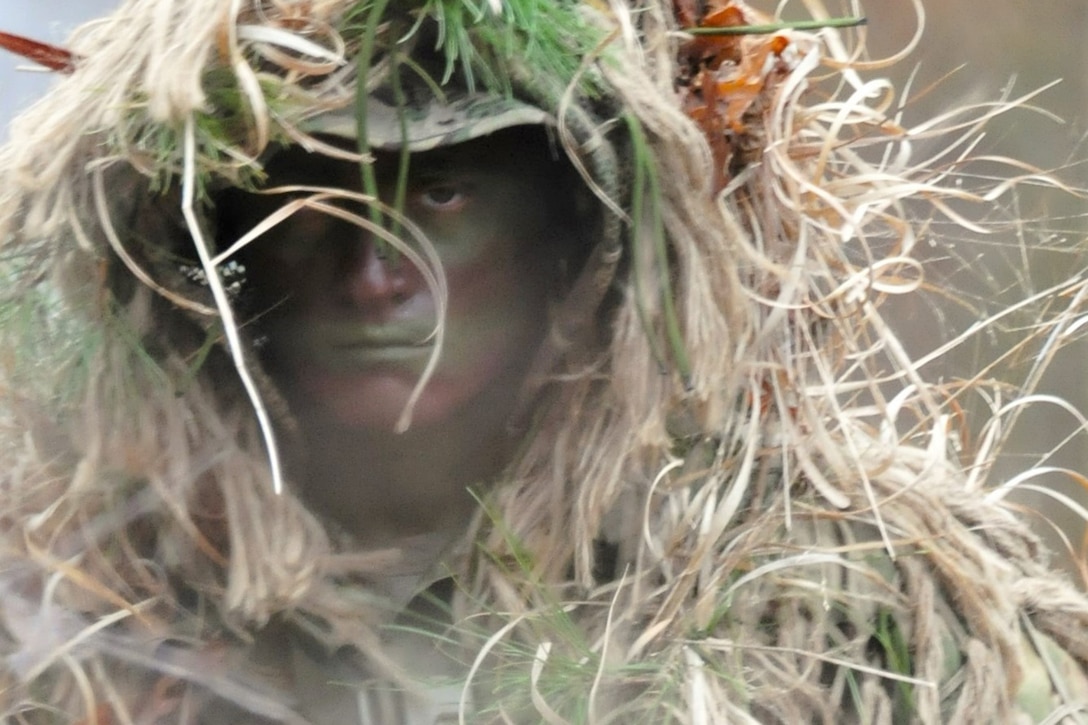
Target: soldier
(382, 364)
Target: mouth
(351, 347)
(347, 347)
(368, 337)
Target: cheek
(497, 314)
(289, 267)
(500, 276)
(272, 283)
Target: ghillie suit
(715, 515)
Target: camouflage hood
(713, 516)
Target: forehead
(524, 152)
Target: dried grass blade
(222, 303)
(106, 221)
(285, 39)
(540, 659)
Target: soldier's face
(349, 325)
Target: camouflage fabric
(430, 123)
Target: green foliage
(898, 660)
(767, 29)
(548, 36)
(49, 353)
(646, 200)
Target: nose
(371, 277)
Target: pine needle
(769, 28)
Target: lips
(351, 346)
(369, 336)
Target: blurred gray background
(47, 20)
(973, 50)
(990, 47)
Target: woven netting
(737, 499)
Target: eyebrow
(439, 163)
(424, 165)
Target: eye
(443, 197)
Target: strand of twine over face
(222, 303)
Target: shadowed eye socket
(443, 196)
